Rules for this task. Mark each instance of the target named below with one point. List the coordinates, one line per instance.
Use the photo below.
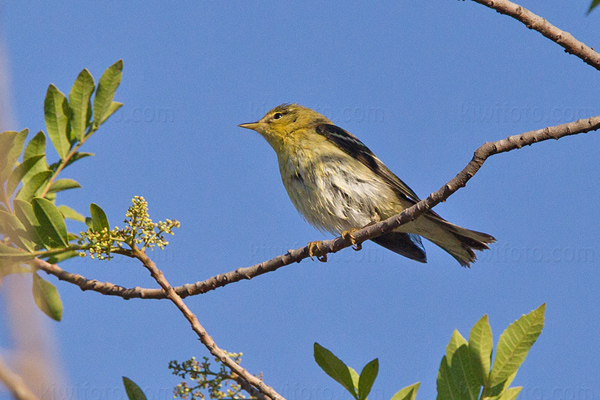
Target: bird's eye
(277, 115)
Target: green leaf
(75, 157)
(107, 86)
(481, 343)
(8, 159)
(18, 145)
(24, 212)
(407, 393)
(20, 172)
(57, 114)
(355, 377)
(335, 368)
(68, 212)
(510, 380)
(456, 341)
(99, 220)
(133, 391)
(511, 393)
(11, 225)
(78, 156)
(446, 387)
(463, 368)
(514, 344)
(6, 142)
(9, 222)
(51, 197)
(593, 5)
(47, 298)
(31, 186)
(73, 236)
(36, 146)
(63, 184)
(367, 378)
(52, 229)
(79, 101)
(89, 223)
(114, 107)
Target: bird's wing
(355, 148)
(406, 244)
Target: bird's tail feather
(459, 242)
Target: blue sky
(423, 84)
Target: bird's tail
(459, 242)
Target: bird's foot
(348, 235)
(316, 249)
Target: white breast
(331, 196)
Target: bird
(338, 185)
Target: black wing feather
(350, 144)
(357, 149)
(406, 244)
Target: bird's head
(286, 122)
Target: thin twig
(62, 165)
(334, 245)
(533, 21)
(15, 383)
(199, 329)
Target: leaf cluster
(31, 224)
(466, 371)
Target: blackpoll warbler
(339, 185)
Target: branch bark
(205, 338)
(331, 246)
(535, 22)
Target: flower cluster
(204, 381)
(139, 232)
(99, 244)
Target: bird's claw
(316, 249)
(348, 235)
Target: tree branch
(15, 383)
(533, 21)
(334, 245)
(199, 329)
(251, 390)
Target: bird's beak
(251, 125)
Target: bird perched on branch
(339, 186)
